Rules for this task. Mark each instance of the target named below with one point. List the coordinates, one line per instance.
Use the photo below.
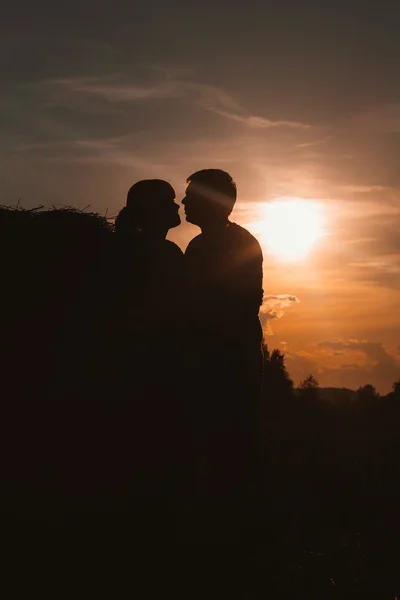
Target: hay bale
(49, 260)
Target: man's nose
(184, 201)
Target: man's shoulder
(234, 237)
(195, 243)
(244, 238)
(172, 248)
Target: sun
(291, 227)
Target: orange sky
(294, 99)
(336, 312)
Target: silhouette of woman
(125, 390)
(150, 212)
(150, 286)
(149, 267)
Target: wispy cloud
(209, 97)
(318, 142)
(374, 350)
(257, 122)
(111, 89)
(363, 189)
(90, 144)
(381, 365)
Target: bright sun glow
(291, 227)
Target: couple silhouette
(200, 309)
(220, 274)
(133, 381)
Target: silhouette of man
(224, 269)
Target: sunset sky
(299, 101)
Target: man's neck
(215, 228)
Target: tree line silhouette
(328, 508)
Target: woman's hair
(148, 192)
(124, 223)
(143, 200)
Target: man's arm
(249, 279)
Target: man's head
(151, 207)
(210, 197)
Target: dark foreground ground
(292, 555)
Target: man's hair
(217, 182)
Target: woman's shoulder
(173, 249)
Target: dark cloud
(374, 350)
(381, 369)
(372, 364)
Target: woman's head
(150, 208)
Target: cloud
(274, 304)
(274, 308)
(363, 189)
(373, 350)
(384, 272)
(380, 368)
(107, 152)
(209, 97)
(368, 362)
(256, 122)
(318, 142)
(365, 243)
(73, 145)
(111, 89)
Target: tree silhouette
(396, 388)
(309, 388)
(309, 383)
(308, 392)
(367, 393)
(277, 382)
(392, 400)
